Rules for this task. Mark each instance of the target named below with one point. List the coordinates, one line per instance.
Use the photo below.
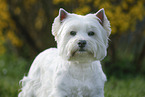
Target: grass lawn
(129, 87)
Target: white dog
(72, 69)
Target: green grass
(130, 87)
(12, 69)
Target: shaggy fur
(70, 70)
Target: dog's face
(81, 38)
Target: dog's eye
(73, 33)
(91, 33)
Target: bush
(122, 66)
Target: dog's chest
(77, 79)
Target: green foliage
(7, 28)
(122, 66)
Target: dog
(72, 69)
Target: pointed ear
(100, 15)
(57, 22)
(63, 14)
(103, 20)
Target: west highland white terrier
(72, 69)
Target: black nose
(82, 43)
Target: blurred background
(25, 31)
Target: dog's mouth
(82, 55)
(82, 50)
(79, 51)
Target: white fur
(65, 71)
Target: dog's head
(81, 38)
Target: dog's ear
(103, 20)
(62, 14)
(57, 22)
(100, 15)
